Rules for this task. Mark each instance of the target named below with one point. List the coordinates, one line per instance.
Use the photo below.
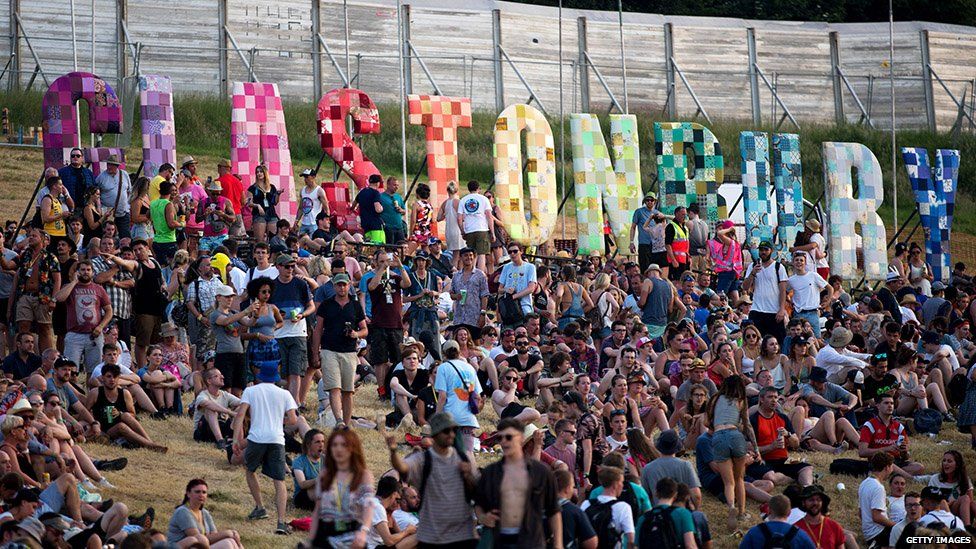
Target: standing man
(641, 245)
(516, 494)
(443, 476)
(767, 281)
(657, 301)
(270, 408)
(201, 297)
(116, 192)
(469, 291)
(871, 496)
(115, 275)
(89, 311)
(314, 202)
(393, 210)
(697, 238)
(476, 222)
(806, 285)
(76, 177)
(294, 299)
(612, 518)
(518, 279)
(37, 281)
(341, 324)
(386, 327)
(370, 207)
(232, 189)
(677, 244)
(166, 172)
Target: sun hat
(441, 421)
(840, 337)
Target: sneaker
(104, 483)
(89, 486)
(283, 529)
(111, 464)
(948, 417)
(406, 423)
(258, 513)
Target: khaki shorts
(146, 329)
(479, 241)
(338, 371)
(30, 309)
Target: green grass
(203, 128)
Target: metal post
(753, 77)
(121, 15)
(405, 46)
(671, 105)
(222, 47)
(923, 37)
(316, 51)
(584, 74)
(623, 53)
(496, 52)
(345, 26)
(562, 118)
(13, 82)
(891, 77)
(403, 95)
(835, 76)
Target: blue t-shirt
(681, 517)
(364, 288)
(311, 470)
(291, 298)
(458, 390)
(390, 216)
(754, 538)
(704, 456)
(368, 218)
(519, 277)
(68, 397)
(641, 215)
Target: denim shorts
(728, 443)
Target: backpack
(425, 474)
(600, 516)
(928, 420)
(777, 541)
(847, 466)
(956, 390)
(658, 530)
(510, 310)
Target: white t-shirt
(377, 516)
(766, 288)
(404, 519)
(254, 272)
(896, 508)
(268, 404)
(238, 278)
(806, 290)
(623, 517)
(952, 358)
(474, 206)
(871, 496)
(945, 517)
(821, 243)
(97, 372)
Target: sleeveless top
(56, 227)
(726, 412)
(157, 212)
(311, 205)
(575, 309)
(264, 324)
(149, 289)
(655, 310)
(266, 199)
(102, 407)
(453, 239)
(422, 223)
(88, 232)
(147, 211)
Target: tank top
(726, 412)
(157, 212)
(149, 289)
(311, 205)
(88, 232)
(575, 309)
(451, 230)
(56, 227)
(102, 409)
(264, 324)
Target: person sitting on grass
(162, 384)
(193, 526)
(305, 469)
(505, 400)
(126, 379)
(112, 408)
(214, 410)
(383, 532)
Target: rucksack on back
(600, 516)
(657, 530)
(777, 541)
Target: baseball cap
(341, 278)
(284, 259)
(932, 493)
(224, 291)
(308, 172)
(765, 244)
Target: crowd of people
(627, 387)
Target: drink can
(109, 416)
(464, 297)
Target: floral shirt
(47, 264)
(589, 427)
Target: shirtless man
(505, 401)
(506, 501)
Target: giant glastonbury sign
(606, 178)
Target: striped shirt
(120, 298)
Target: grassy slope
(202, 127)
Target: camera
(348, 329)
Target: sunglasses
(509, 378)
(507, 437)
(514, 251)
(76, 156)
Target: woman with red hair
(344, 490)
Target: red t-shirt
(831, 536)
(879, 435)
(85, 307)
(767, 430)
(232, 189)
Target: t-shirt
(459, 380)
(268, 405)
(765, 297)
(622, 516)
(703, 456)
(68, 397)
(670, 467)
(806, 290)
(519, 277)
(309, 468)
(6, 277)
(830, 536)
(391, 217)
(85, 305)
(641, 215)
(874, 388)
(14, 366)
(257, 272)
(879, 435)
(228, 337)
(421, 380)
(445, 516)
(387, 302)
(945, 517)
(97, 372)
(681, 517)
(232, 189)
(821, 242)
(474, 207)
(193, 192)
(334, 318)
(684, 391)
(223, 398)
(871, 496)
(896, 508)
(754, 538)
(183, 520)
(154, 187)
(576, 527)
(377, 515)
(291, 298)
(766, 430)
(368, 218)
